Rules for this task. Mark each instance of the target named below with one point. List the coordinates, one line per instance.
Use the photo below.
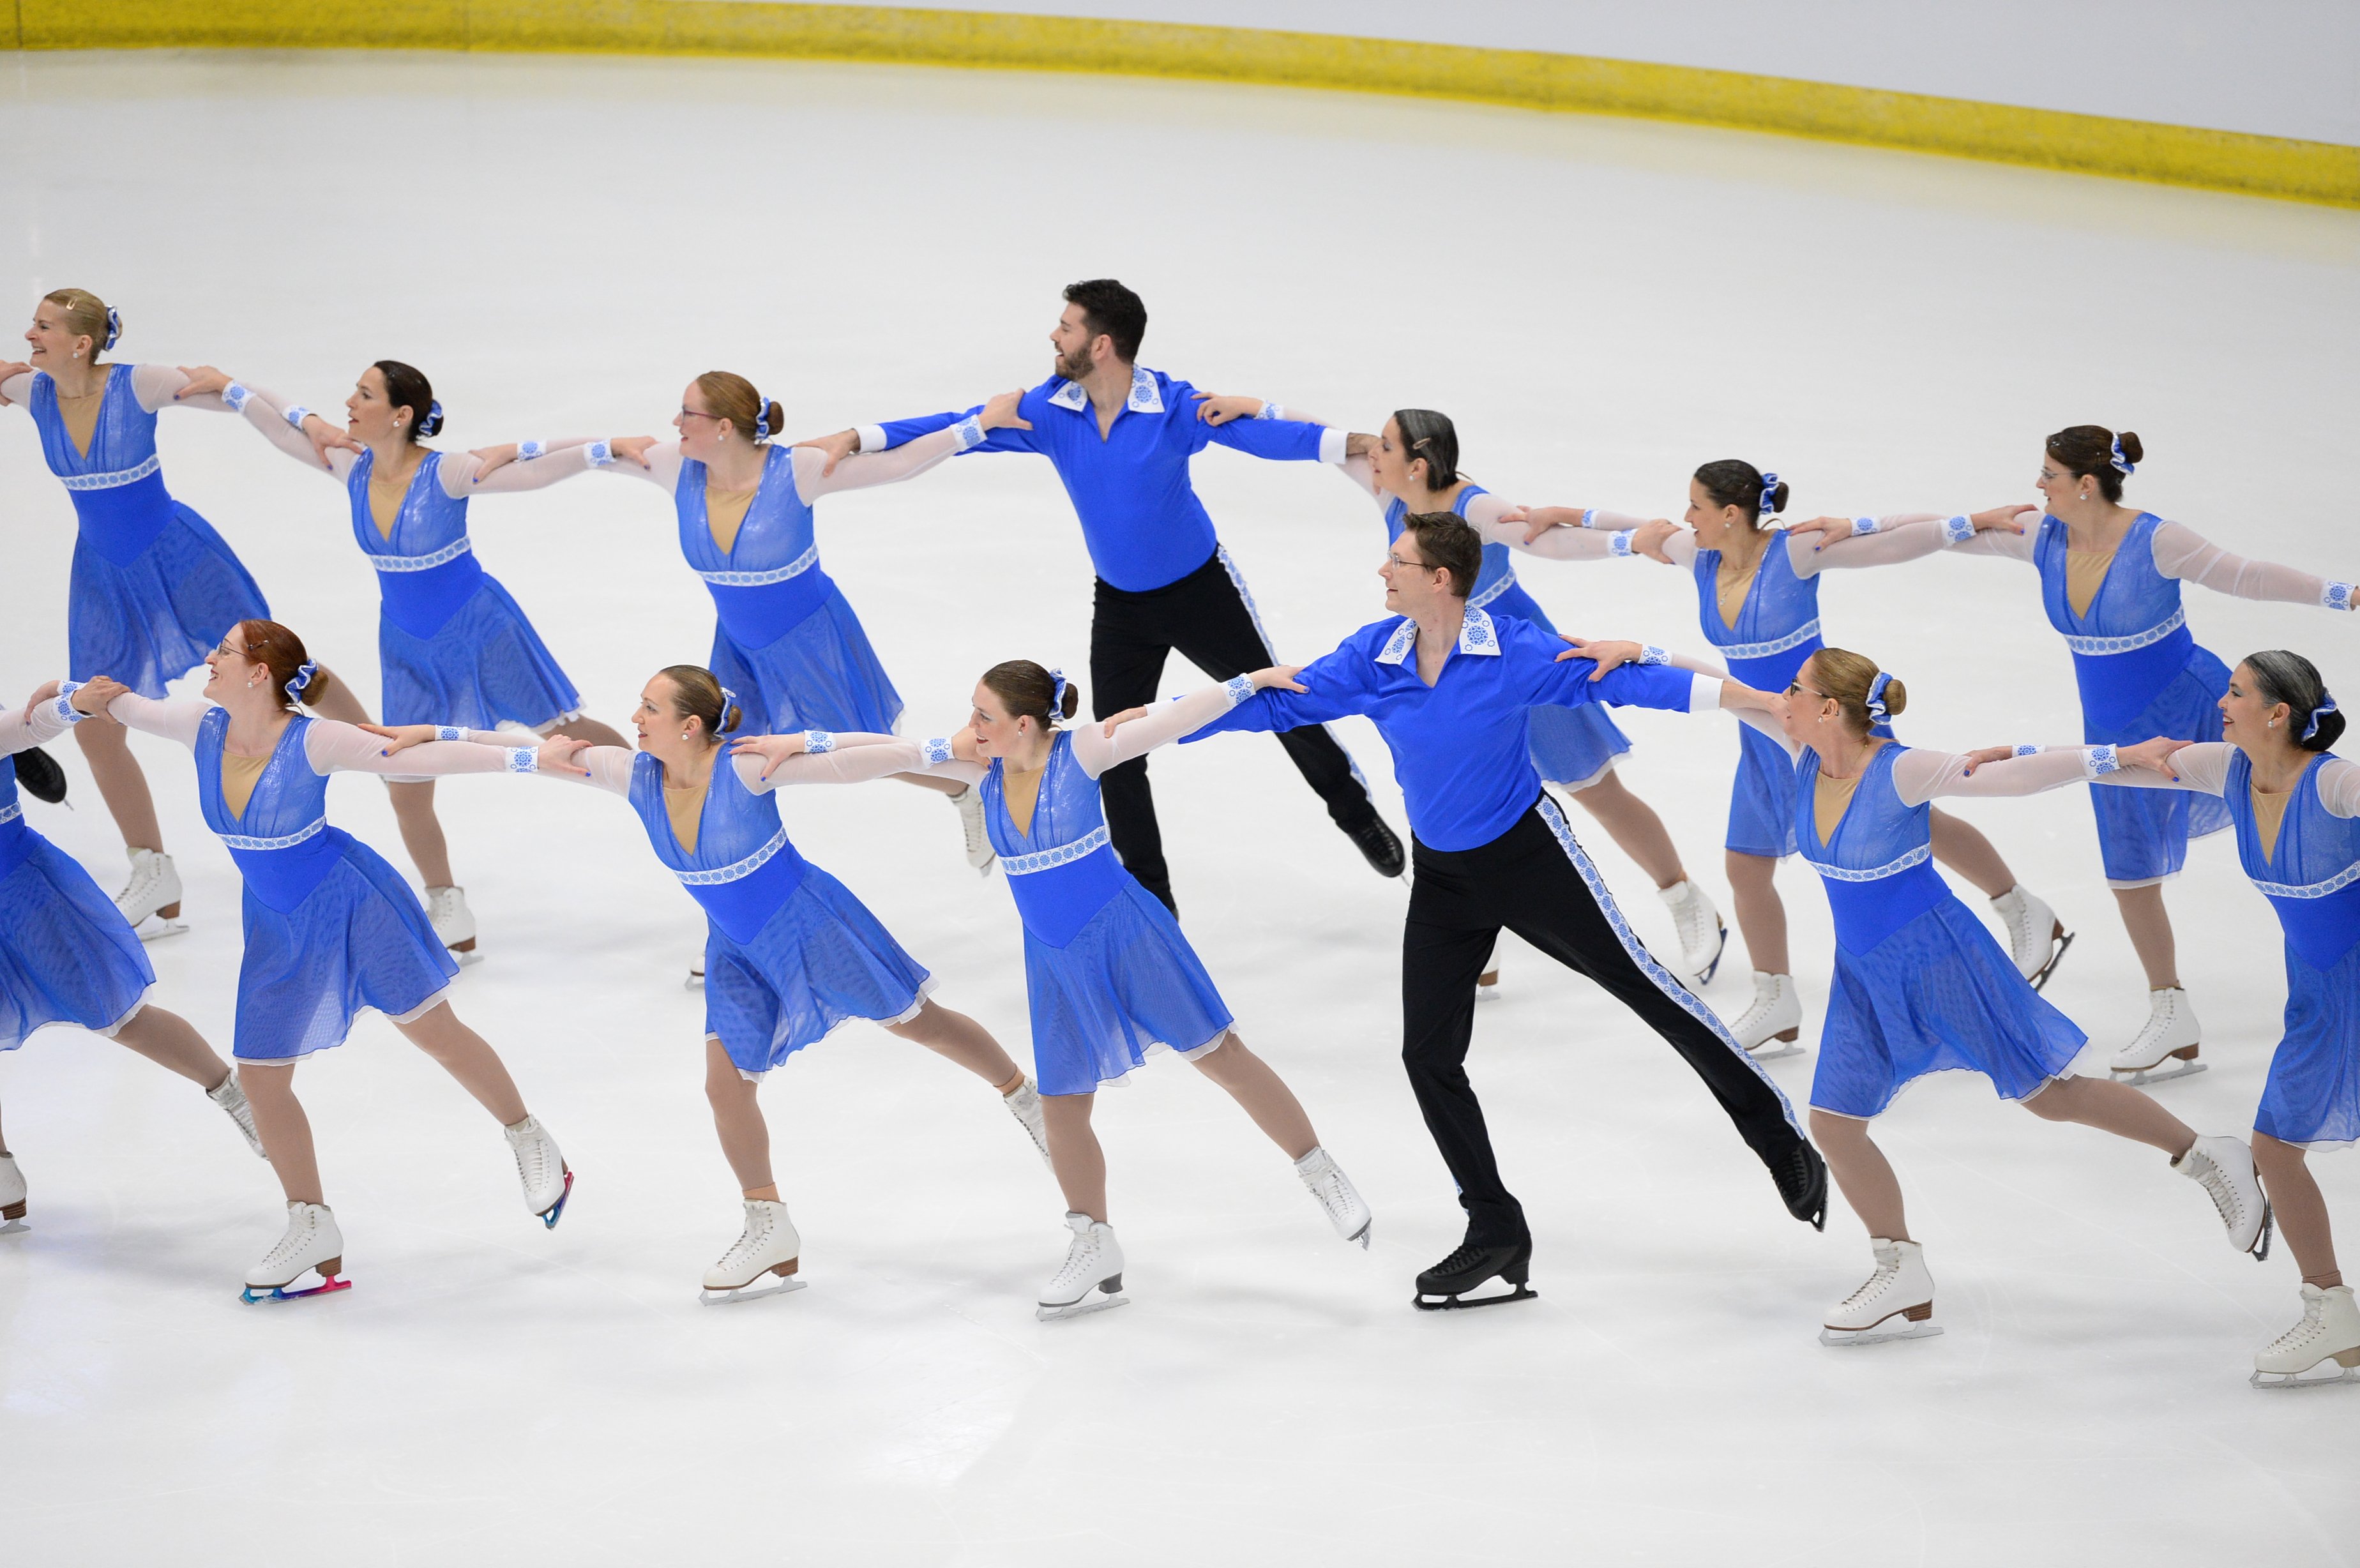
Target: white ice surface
(1601, 306)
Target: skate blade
(1044, 1313)
(464, 958)
(1713, 968)
(2040, 977)
(1362, 1236)
(1775, 1049)
(2309, 1379)
(14, 1226)
(2163, 1072)
(1461, 1303)
(255, 1296)
(156, 928)
(1842, 1337)
(556, 1211)
(780, 1287)
(1488, 993)
(694, 982)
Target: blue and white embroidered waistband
(1918, 856)
(2133, 643)
(11, 811)
(114, 481)
(1049, 859)
(794, 568)
(444, 557)
(2335, 884)
(736, 870)
(1507, 580)
(286, 841)
(1794, 639)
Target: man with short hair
(1121, 437)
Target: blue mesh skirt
(2312, 1095)
(1127, 983)
(359, 939)
(67, 956)
(484, 665)
(1937, 995)
(1569, 746)
(156, 619)
(819, 674)
(2142, 833)
(1762, 798)
(821, 959)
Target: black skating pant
(1530, 883)
(1206, 617)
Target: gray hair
(2281, 676)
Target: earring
(683, 735)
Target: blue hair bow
(2123, 464)
(1057, 693)
(1876, 704)
(2326, 706)
(301, 680)
(114, 329)
(761, 416)
(729, 701)
(433, 420)
(1769, 493)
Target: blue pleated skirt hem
(360, 939)
(822, 960)
(484, 666)
(1127, 986)
(67, 955)
(819, 674)
(152, 621)
(2312, 1094)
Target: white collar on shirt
(1145, 396)
(1475, 636)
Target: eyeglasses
(1795, 686)
(688, 413)
(1415, 565)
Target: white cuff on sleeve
(1238, 687)
(523, 759)
(872, 437)
(449, 732)
(1704, 693)
(1331, 444)
(599, 453)
(970, 431)
(1958, 530)
(1650, 654)
(2336, 596)
(236, 396)
(2099, 761)
(1618, 542)
(297, 415)
(937, 750)
(528, 450)
(1271, 412)
(2028, 748)
(63, 705)
(818, 742)
(1860, 526)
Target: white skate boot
(150, 900)
(1900, 1288)
(1337, 1196)
(1487, 985)
(454, 922)
(1093, 1264)
(231, 1097)
(2166, 1045)
(768, 1248)
(548, 1181)
(1023, 1102)
(2330, 1331)
(696, 972)
(311, 1245)
(1702, 936)
(12, 1197)
(2225, 1168)
(980, 855)
(1773, 1025)
(2036, 939)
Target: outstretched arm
(1907, 536)
(817, 475)
(1168, 721)
(1922, 775)
(820, 756)
(333, 746)
(1329, 687)
(2180, 552)
(174, 718)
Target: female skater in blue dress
(789, 951)
(331, 929)
(154, 587)
(452, 646)
(2296, 807)
(1110, 976)
(67, 955)
(1919, 985)
(2110, 580)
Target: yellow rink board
(2090, 144)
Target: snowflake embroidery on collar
(1146, 398)
(1476, 635)
(1397, 646)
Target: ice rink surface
(561, 242)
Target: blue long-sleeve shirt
(1460, 749)
(1141, 517)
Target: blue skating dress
(2141, 675)
(154, 587)
(789, 952)
(67, 955)
(1573, 747)
(1919, 985)
(330, 927)
(2312, 1096)
(454, 646)
(788, 644)
(1108, 972)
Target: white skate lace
(299, 1232)
(1752, 1019)
(2227, 1199)
(1875, 1285)
(750, 1242)
(1077, 1277)
(142, 882)
(2158, 1021)
(532, 1148)
(2313, 1324)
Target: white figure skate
(1772, 1027)
(1487, 985)
(2166, 1045)
(2330, 1331)
(231, 1097)
(1091, 1279)
(454, 922)
(768, 1249)
(1899, 1288)
(311, 1245)
(697, 971)
(1702, 936)
(1023, 1102)
(2224, 1167)
(980, 855)
(2036, 939)
(150, 900)
(1337, 1196)
(12, 1197)
(548, 1182)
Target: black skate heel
(1449, 1281)
(1802, 1178)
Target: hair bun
(2131, 447)
(1775, 500)
(774, 416)
(732, 719)
(433, 423)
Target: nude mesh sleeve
(1923, 776)
(1162, 725)
(330, 746)
(22, 728)
(855, 759)
(175, 718)
(563, 460)
(1485, 513)
(1363, 473)
(18, 389)
(2181, 552)
(154, 385)
(1755, 719)
(265, 411)
(864, 470)
(2203, 769)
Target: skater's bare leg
(469, 1058)
(106, 746)
(168, 1040)
(1251, 1083)
(285, 1130)
(737, 1119)
(1961, 847)
(2113, 1107)
(1761, 917)
(1633, 824)
(1075, 1154)
(957, 1038)
(928, 781)
(2301, 1208)
(2149, 925)
(1863, 1173)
